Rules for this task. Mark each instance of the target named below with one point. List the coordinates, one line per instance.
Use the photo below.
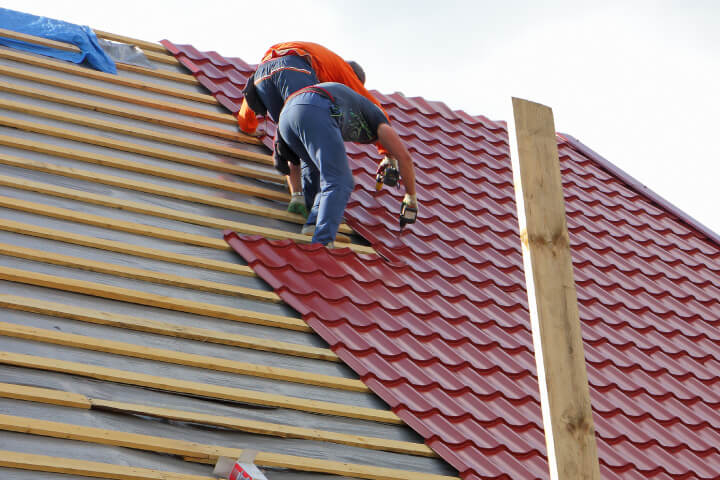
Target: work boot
(308, 230)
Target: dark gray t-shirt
(357, 117)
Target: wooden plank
(144, 45)
(136, 273)
(162, 328)
(181, 358)
(162, 212)
(160, 73)
(146, 209)
(122, 247)
(117, 95)
(123, 111)
(147, 169)
(162, 154)
(67, 67)
(562, 375)
(201, 389)
(147, 187)
(266, 428)
(69, 47)
(151, 300)
(44, 463)
(203, 452)
(112, 224)
(146, 134)
(44, 395)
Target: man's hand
(297, 204)
(387, 173)
(408, 210)
(386, 162)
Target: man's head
(358, 70)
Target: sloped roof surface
(647, 285)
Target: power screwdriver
(388, 176)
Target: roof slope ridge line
(180, 358)
(74, 400)
(143, 44)
(164, 328)
(641, 189)
(145, 134)
(205, 453)
(150, 299)
(116, 95)
(162, 154)
(147, 209)
(125, 248)
(136, 273)
(148, 187)
(66, 67)
(122, 111)
(157, 171)
(205, 390)
(85, 468)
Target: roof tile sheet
(438, 326)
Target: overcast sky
(636, 81)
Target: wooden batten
(562, 375)
(128, 322)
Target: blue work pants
(308, 127)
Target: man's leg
(308, 126)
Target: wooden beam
(44, 395)
(144, 45)
(147, 187)
(133, 131)
(162, 154)
(125, 248)
(180, 358)
(570, 433)
(44, 463)
(125, 81)
(148, 169)
(200, 389)
(123, 111)
(163, 328)
(162, 212)
(151, 300)
(58, 397)
(84, 87)
(205, 453)
(136, 273)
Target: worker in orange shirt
(284, 69)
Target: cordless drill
(388, 176)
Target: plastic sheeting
(80, 36)
(124, 53)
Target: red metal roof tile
(442, 334)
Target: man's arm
(389, 138)
(247, 121)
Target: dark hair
(358, 70)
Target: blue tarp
(81, 36)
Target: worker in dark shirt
(314, 123)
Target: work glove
(297, 204)
(387, 173)
(408, 210)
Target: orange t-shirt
(328, 66)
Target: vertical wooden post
(569, 428)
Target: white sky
(637, 81)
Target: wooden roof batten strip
(125, 81)
(128, 322)
(74, 400)
(145, 230)
(205, 453)
(117, 95)
(85, 468)
(199, 389)
(180, 358)
(151, 300)
(44, 256)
